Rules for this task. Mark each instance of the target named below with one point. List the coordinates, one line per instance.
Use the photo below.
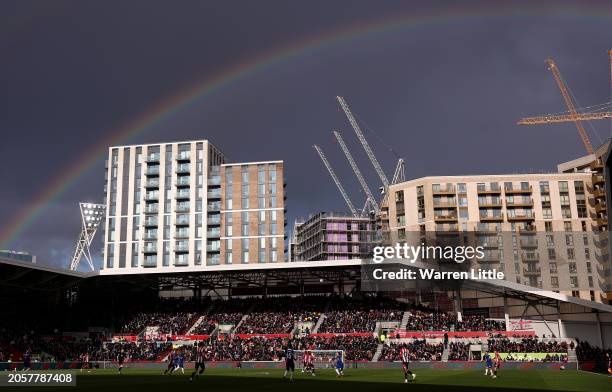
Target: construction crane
(610, 55)
(569, 103)
(364, 142)
(336, 181)
(399, 174)
(559, 118)
(573, 113)
(362, 181)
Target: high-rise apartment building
(542, 230)
(174, 206)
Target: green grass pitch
(372, 380)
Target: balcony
(181, 247)
(150, 235)
(517, 190)
(213, 207)
(150, 248)
(493, 244)
(530, 256)
(182, 181)
(489, 190)
(152, 183)
(214, 181)
(151, 209)
(601, 207)
(150, 222)
(521, 216)
(445, 204)
(214, 194)
(599, 192)
(150, 261)
(183, 169)
(448, 217)
(444, 190)
(489, 257)
(152, 171)
(601, 221)
(213, 248)
(597, 179)
(528, 202)
(182, 221)
(527, 230)
(491, 217)
(152, 158)
(152, 196)
(529, 243)
(494, 203)
(532, 271)
(183, 156)
(181, 234)
(597, 165)
(484, 228)
(447, 228)
(213, 221)
(213, 233)
(182, 208)
(182, 194)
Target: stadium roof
(21, 276)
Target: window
(401, 220)
(572, 268)
(573, 283)
(401, 234)
(570, 254)
(554, 281)
(566, 212)
(552, 254)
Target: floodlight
(89, 226)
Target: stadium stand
(527, 345)
(419, 350)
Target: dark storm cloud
(445, 96)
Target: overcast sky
(445, 95)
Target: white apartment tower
(167, 209)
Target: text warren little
(432, 274)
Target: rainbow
(210, 85)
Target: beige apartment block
(541, 230)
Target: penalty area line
(598, 374)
